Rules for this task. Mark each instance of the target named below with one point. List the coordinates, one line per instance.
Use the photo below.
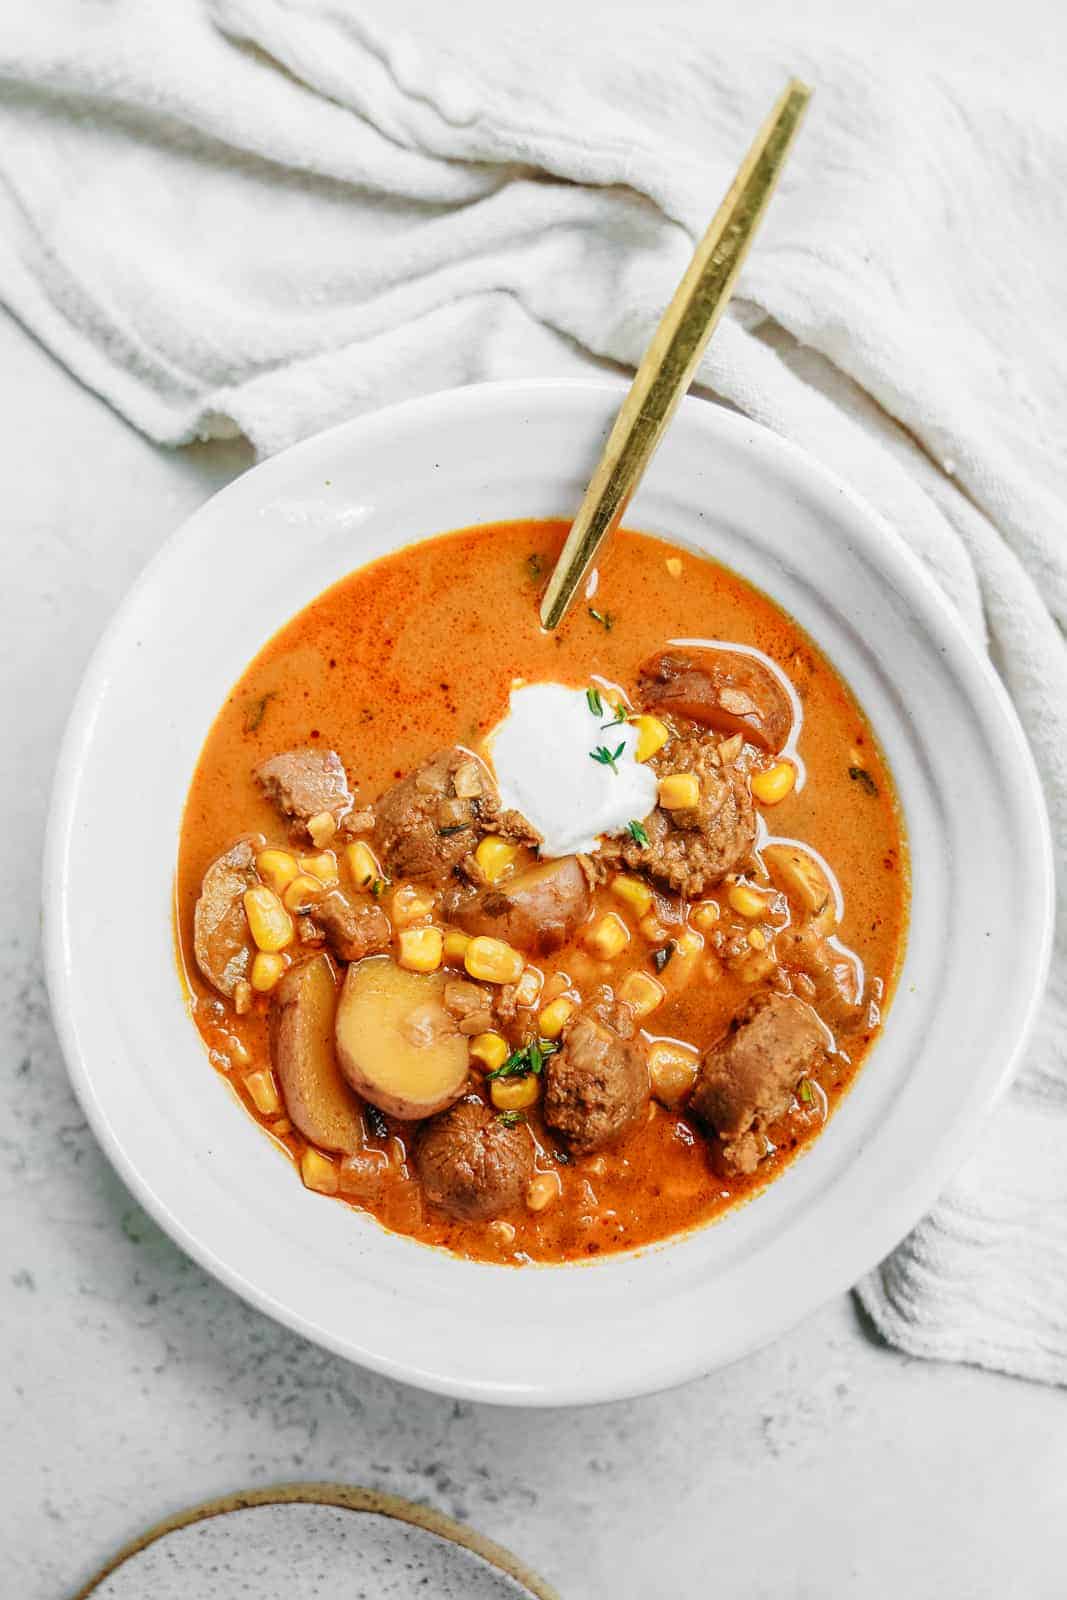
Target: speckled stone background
(133, 1385)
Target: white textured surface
(826, 1465)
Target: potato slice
(397, 1045)
(803, 882)
(317, 1098)
(538, 910)
(222, 943)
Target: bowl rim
(891, 553)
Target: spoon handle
(668, 364)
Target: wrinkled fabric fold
(267, 216)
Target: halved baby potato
(803, 882)
(398, 1046)
(537, 911)
(317, 1097)
(222, 943)
(728, 690)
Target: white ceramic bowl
(242, 566)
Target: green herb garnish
(637, 833)
(593, 700)
(616, 722)
(530, 1058)
(379, 886)
(806, 1092)
(510, 1119)
(605, 618)
(257, 710)
(606, 757)
(861, 776)
(662, 956)
(379, 1128)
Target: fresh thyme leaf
(806, 1092)
(637, 833)
(379, 886)
(510, 1119)
(534, 565)
(605, 618)
(616, 722)
(379, 1128)
(530, 1058)
(605, 757)
(861, 776)
(257, 710)
(663, 955)
(596, 705)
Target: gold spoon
(668, 365)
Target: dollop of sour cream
(545, 756)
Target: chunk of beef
(352, 930)
(749, 1077)
(430, 821)
(470, 1004)
(304, 784)
(723, 689)
(597, 1084)
(472, 1164)
(222, 943)
(692, 850)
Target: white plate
(241, 567)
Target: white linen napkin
(268, 215)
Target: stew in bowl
(539, 947)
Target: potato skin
(222, 943)
(722, 689)
(538, 911)
(317, 1098)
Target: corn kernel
(238, 1050)
(774, 783)
(679, 791)
(490, 1050)
(267, 968)
(634, 891)
(674, 566)
(705, 915)
(653, 929)
(528, 988)
(688, 943)
(411, 904)
(641, 993)
(242, 997)
(277, 868)
(757, 938)
(318, 1171)
(455, 945)
(747, 901)
(542, 1189)
(672, 1070)
(652, 735)
(263, 1092)
(503, 1233)
(362, 864)
(420, 949)
(550, 1022)
(493, 961)
(495, 857)
(515, 1094)
(323, 866)
(302, 891)
(270, 924)
(607, 937)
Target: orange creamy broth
(420, 650)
